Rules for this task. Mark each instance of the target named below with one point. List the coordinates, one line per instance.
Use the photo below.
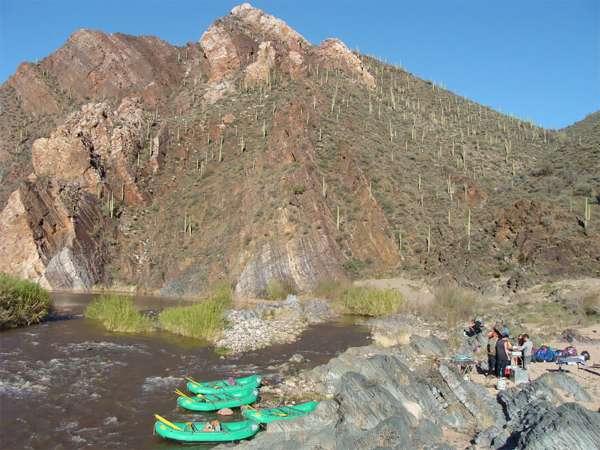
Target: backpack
(544, 354)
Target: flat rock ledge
(272, 322)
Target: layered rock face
(94, 64)
(51, 234)
(53, 227)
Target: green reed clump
(21, 302)
(203, 320)
(118, 313)
(369, 301)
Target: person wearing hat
(503, 348)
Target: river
(70, 384)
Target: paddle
(166, 422)
(192, 380)
(178, 392)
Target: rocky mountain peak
(251, 40)
(268, 26)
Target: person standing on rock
(502, 352)
(491, 351)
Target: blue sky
(538, 59)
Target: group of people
(499, 350)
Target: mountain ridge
(256, 156)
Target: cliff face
(256, 156)
(52, 235)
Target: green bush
(204, 320)
(118, 313)
(279, 289)
(368, 301)
(21, 302)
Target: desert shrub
(203, 320)
(369, 301)
(21, 302)
(299, 189)
(279, 289)
(118, 313)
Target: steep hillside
(256, 156)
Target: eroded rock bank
(411, 396)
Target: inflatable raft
(191, 432)
(280, 413)
(230, 386)
(214, 402)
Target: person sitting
(503, 347)
(525, 346)
(213, 425)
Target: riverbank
(411, 395)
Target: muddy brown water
(69, 384)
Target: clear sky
(538, 59)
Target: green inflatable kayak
(191, 432)
(229, 386)
(214, 402)
(281, 413)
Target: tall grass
(204, 320)
(21, 302)
(369, 301)
(118, 313)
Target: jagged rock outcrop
(260, 69)
(334, 53)
(53, 224)
(51, 233)
(98, 146)
(93, 64)
(256, 21)
(220, 51)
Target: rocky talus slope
(256, 156)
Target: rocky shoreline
(410, 395)
(272, 322)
